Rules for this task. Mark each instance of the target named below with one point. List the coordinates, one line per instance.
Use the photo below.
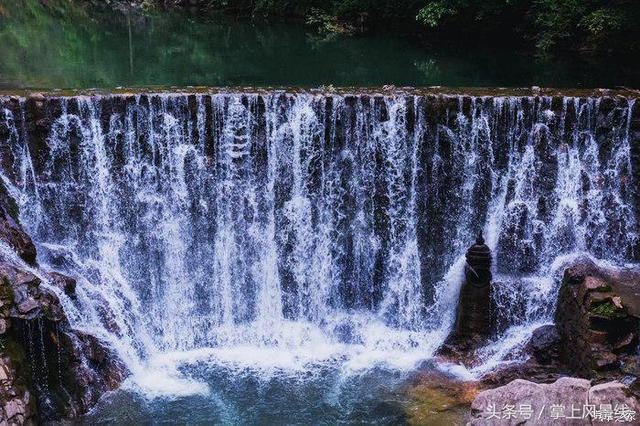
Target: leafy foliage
(548, 25)
(434, 12)
(587, 24)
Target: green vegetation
(608, 309)
(547, 25)
(84, 43)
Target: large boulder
(568, 401)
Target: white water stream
(278, 232)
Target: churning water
(288, 233)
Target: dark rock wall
(47, 370)
(598, 326)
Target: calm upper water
(66, 46)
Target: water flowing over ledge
(388, 90)
(282, 230)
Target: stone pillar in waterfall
(473, 315)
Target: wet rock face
(17, 405)
(11, 232)
(47, 370)
(475, 312)
(53, 371)
(597, 319)
(64, 283)
(545, 344)
(524, 402)
(473, 315)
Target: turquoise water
(320, 396)
(67, 46)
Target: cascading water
(279, 231)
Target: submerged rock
(438, 399)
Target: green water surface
(63, 45)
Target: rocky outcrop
(59, 371)
(567, 401)
(473, 315)
(11, 232)
(17, 403)
(598, 322)
(47, 370)
(474, 312)
(544, 345)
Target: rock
(596, 319)
(473, 314)
(524, 402)
(517, 392)
(594, 283)
(603, 359)
(14, 407)
(88, 367)
(107, 317)
(531, 369)
(11, 232)
(27, 306)
(64, 283)
(3, 374)
(631, 365)
(4, 325)
(37, 97)
(542, 366)
(614, 394)
(435, 398)
(624, 342)
(577, 273)
(544, 344)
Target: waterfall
(312, 226)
